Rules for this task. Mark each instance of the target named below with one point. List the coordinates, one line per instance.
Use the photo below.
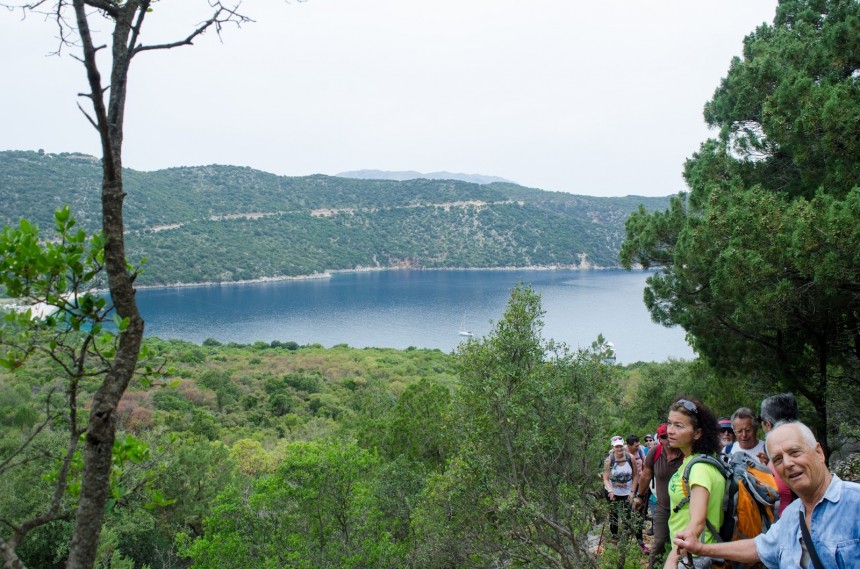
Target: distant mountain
(402, 176)
(229, 223)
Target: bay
(420, 308)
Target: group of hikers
(719, 496)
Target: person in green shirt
(692, 429)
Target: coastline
(327, 274)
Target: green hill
(229, 223)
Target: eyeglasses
(747, 431)
(726, 430)
(689, 406)
(649, 440)
(664, 437)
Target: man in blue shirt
(828, 506)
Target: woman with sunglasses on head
(692, 429)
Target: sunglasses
(727, 430)
(664, 437)
(689, 406)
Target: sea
(415, 308)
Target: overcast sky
(599, 97)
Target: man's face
(633, 448)
(745, 432)
(727, 436)
(800, 466)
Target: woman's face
(681, 432)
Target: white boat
(464, 331)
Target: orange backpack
(751, 502)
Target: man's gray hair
(745, 413)
(777, 409)
(805, 432)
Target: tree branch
(217, 20)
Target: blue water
(425, 309)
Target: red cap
(661, 430)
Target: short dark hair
(779, 408)
(632, 439)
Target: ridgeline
(229, 223)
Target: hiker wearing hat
(620, 477)
(726, 434)
(661, 463)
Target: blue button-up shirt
(835, 531)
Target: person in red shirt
(661, 463)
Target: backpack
(612, 461)
(751, 502)
(612, 458)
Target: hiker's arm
(742, 550)
(606, 484)
(644, 481)
(636, 474)
(698, 509)
(672, 559)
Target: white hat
(617, 440)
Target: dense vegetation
(276, 455)
(225, 223)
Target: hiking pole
(602, 529)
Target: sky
(598, 97)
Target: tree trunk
(101, 429)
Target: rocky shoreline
(329, 273)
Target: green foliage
(317, 510)
(531, 425)
(433, 489)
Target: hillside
(228, 223)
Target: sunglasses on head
(689, 406)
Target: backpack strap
(685, 485)
(807, 539)
(612, 458)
